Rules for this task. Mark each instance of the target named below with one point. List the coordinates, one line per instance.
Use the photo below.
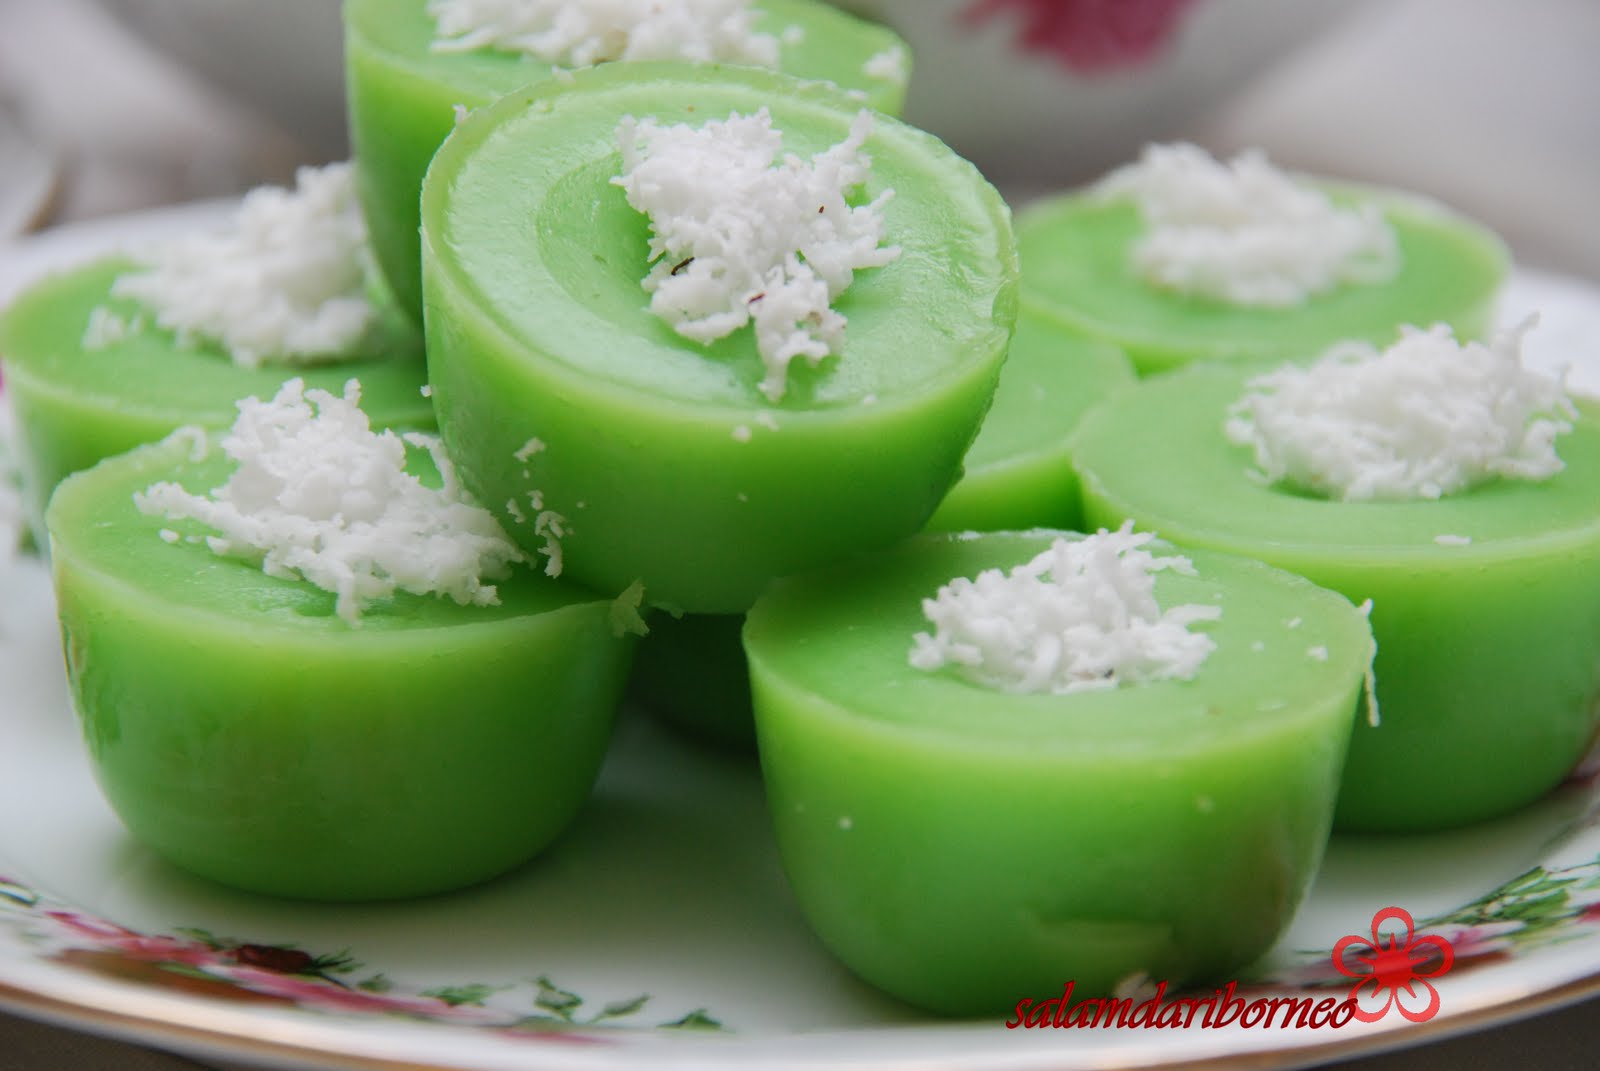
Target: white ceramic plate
(660, 928)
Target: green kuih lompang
(690, 672)
(404, 91)
(1424, 264)
(1017, 475)
(963, 846)
(244, 729)
(109, 355)
(1485, 601)
(697, 469)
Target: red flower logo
(1400, 970)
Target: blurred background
(1490, 105)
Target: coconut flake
(1080, 616)
(288, 281)
(887, 66)
(1426, 417)
(736, 235)
(107, 328)
(624, 612)
(1245, 232)
(319, 496)
(552, 527)
(579, 33)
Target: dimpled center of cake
(740, 235)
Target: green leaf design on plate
(553, 998)
(619, 1008)
(378, 983)
(457, 995)
(205, 937)
(698, 1019)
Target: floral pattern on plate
(200, 963)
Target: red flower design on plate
(1089, 36)
(1393, 972)
(148, 948)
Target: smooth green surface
(1488, 654)
(1018, 473)
(402, 97)
(1078, 249)
(963, 848)
(690, 672)
(244, 731)
(75, 406)
(537, 327)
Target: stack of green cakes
(1073, 580)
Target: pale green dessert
(76, 404)
(1485, 602)
(1018, 472)
(690, 672)
(245, 729)
(1017, 475)
(963, 847)
(1257, 301)
(403, 95)
(669, 461)
(119, 352)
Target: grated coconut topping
(1245, 232)
(319, 496)
(287, 282)
(738, 235)
(1426, 417)
(887, 66)
(1080, 616)
(578, 33)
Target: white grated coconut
(625, 612)
(1080, 616)
(1245, 232)
(319, 496)
(887, 66)
(287, 282)
(1426, 417)
(578, 33)
(551, 527)
(736, 234)
(106, 328)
